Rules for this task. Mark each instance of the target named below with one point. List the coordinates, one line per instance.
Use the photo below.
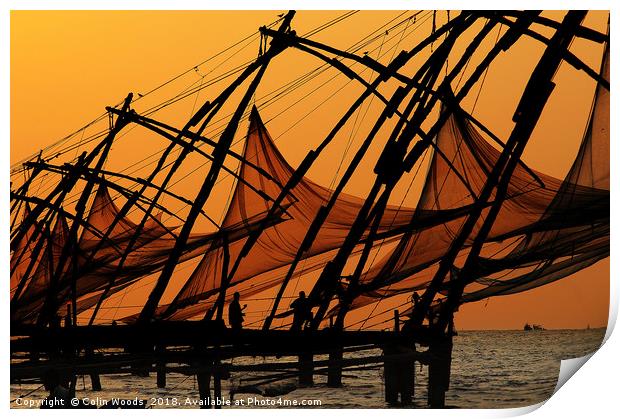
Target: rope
(484, 76)
(141, 96)
(391, 224)
(27, 394)
(149, 112)
(323, 102)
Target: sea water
(490, 369)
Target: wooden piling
(334, 369)
(439, 372)
(306, 369)
(217, 388)
(95, 381)
(407, 382)
(390, 379)
(204, 388)
(161, 375)
(399, 375)
(161, 367)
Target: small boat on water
(529, 327)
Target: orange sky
(67, 66)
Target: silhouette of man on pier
(235, 313)
(302, 312)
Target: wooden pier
(205, 349)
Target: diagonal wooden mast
(396, 162)
(51, 304)
(397, 98)
(527, 114)
(529, 110)
(219, 154)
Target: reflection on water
(490, 369)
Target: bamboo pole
(50, 304)
(320, 217)
(219, 154)
(529, 110)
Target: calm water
(490, 369)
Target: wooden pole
(439, 372)
(321, 215)
(95, 381)
(420, 310)
(219, 154)
(396, 321)
(390, 380)
(306, 369)
(334, 369)
(407, 382)
(208, 110)
(70, 248)
(399, 140)
(399, 374)
(217, 385)
(528, 112)
(204, 389)
(161, 366)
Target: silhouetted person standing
(302, 312)
(415, 299)
(235, 313)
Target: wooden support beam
(88, 173)
(440, 364)
(193, 363)
(306, 369)
(38, 248)
(161, 366)
(206, 112)
(150, 123)
(350, 74)
(334, 368)
(390, 376)
(204, 389)
(407, 383)
(568, 56)
(321, 216)
(95, 380)
(423, 104)
(191, 147)
(58, 194)
(219, 154)
(51, 304)
(580, 32)
(217, 386)
(506, 41)
(527, 115)
(399, 374)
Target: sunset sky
(67, 66)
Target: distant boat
(529, 327)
